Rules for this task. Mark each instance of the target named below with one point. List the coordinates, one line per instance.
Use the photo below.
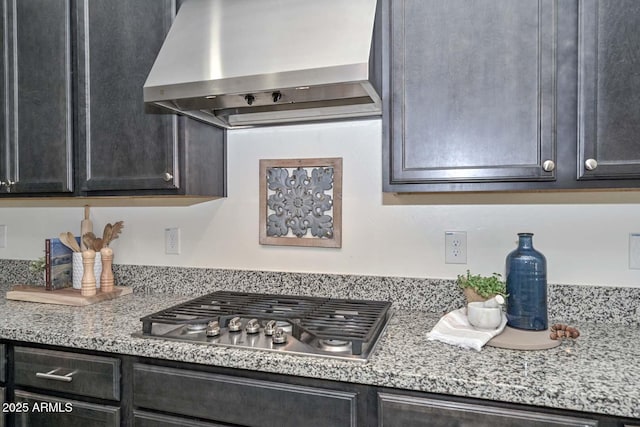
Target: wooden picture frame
(295, 195)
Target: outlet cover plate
(455, 247)
(634, 251)
(172, 241)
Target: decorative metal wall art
(301, 202)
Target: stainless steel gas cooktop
(328, 327)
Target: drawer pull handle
(52, 376)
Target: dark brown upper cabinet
(609, 89)
(123, 146)
(72, 117)
(36, 154)
(501, 95)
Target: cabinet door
(609, 89)
(278, 404)
(120, 145)
(4, 160)
(407, 411)
(37, 96)
(49, 411)
(471, 92)
(2, 362)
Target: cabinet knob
(167, 177)
(590, 164)
(548, 165)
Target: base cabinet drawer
(3, 362)
(2, 400)
(149, 419)
(47, 411)
(93, 376)
(407, 411)
(240, 401)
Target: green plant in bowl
(484, 287)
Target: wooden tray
(64, 296)
(517, 339)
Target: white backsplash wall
(584, 243)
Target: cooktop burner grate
(328, 320)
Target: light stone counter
(600, 372)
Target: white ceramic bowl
(484, 317)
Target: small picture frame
(301, 202)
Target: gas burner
(195, 327)
(285, 326)
(337, 346)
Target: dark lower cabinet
(68, 372)
(79, 376)
(3, 359)
(49, 411)
(240, 401)
(409, 411)
(2, 380)
(149, 419)
(66, 387)
(2, 400)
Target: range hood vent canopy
(238, 63)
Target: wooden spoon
(88, 238)
(69, 241)
(73, 242)
(106, 234)
(98, 243)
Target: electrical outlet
(172, 241)
(3, 236)
(455, 247)
(634, 251)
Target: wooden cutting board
(64, 296)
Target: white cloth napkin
(454, 328)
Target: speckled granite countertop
(600, 372)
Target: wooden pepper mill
(106, 278)
(88, 277)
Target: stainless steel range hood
(238, 63)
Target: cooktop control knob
(279, 336)
(213, 329)
(270, 328)
(235, 325)
(253, 327)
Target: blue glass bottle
(526, 272)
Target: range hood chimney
(239, 63)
